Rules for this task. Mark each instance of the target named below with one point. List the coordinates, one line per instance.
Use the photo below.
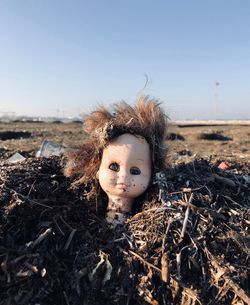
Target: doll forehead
(128, 138)
(128, 141)
(126, 144)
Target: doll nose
(123, 175)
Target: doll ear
(97, 175)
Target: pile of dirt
(174, 136)
(8, 135)
(189, 242)
(214, 136)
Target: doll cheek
(112, 179)
(143, 186)
(109, 176)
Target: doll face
(125, 169)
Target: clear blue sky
(62, 57)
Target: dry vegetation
(187, 243)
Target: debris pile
(8, 135)
(214, 136)
(189, 242)
(174, 136)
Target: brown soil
(236, 149)
(188, 241)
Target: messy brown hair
(145, 119)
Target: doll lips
(122, 185)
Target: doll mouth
(122, 185)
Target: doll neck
(120, 204)
(118, 210)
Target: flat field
(185, 142)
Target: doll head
(123, 148)
(124, 173)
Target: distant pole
(216, 84)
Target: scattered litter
(223, 165)
(49, 148)
(16, 158)
(106, 269)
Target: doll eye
(114, 167)
(135, 171)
